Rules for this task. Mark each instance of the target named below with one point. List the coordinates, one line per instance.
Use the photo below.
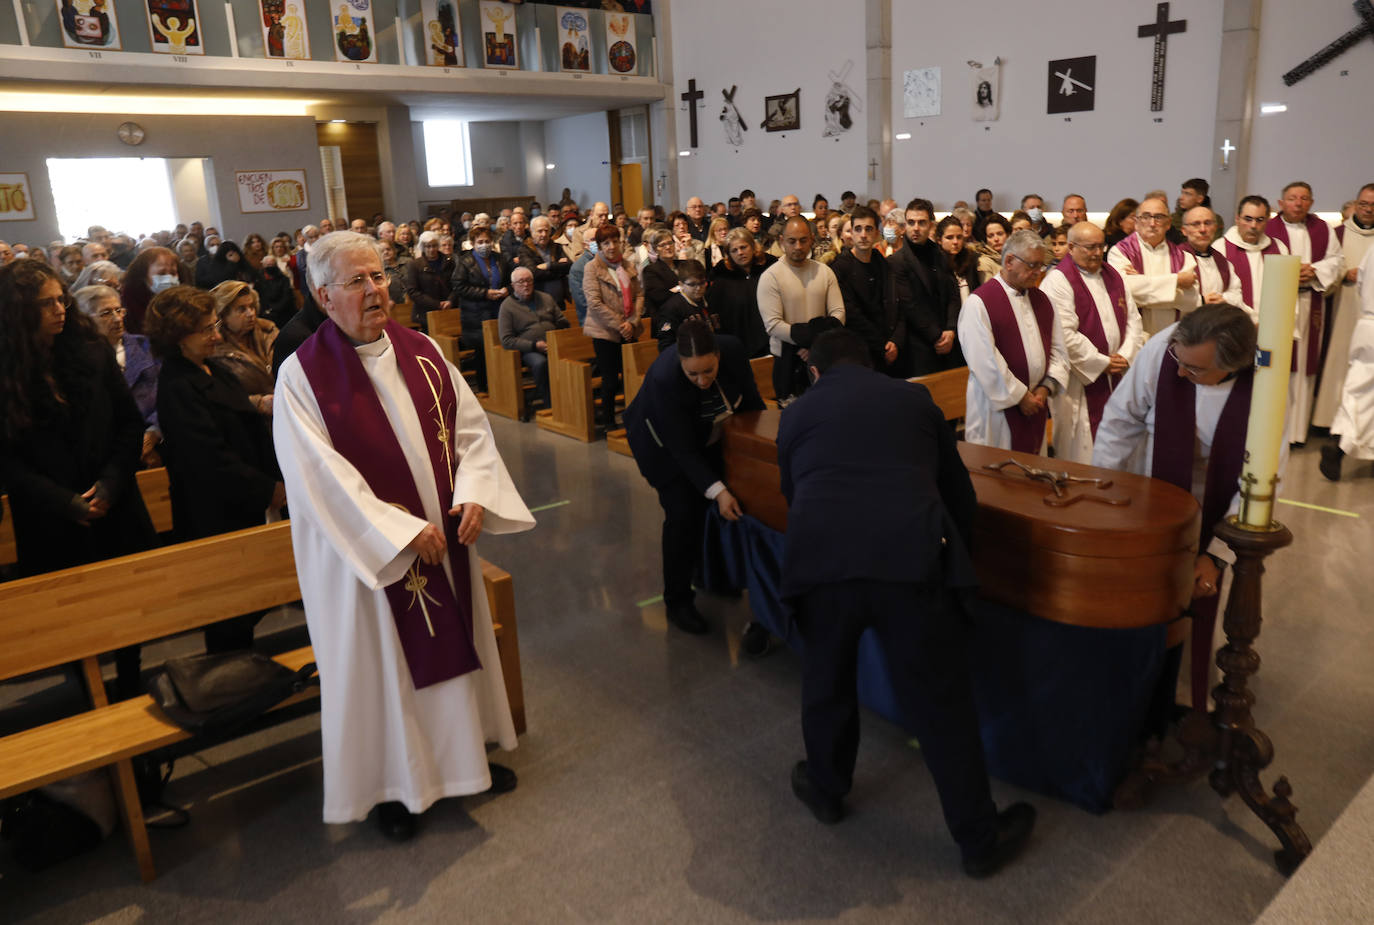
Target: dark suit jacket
(218, 450)
(930, 305)
(554, 279)
(470, 287)
(877, 322)
(301, 326)
(875, 487)
(664, 425)
(734, 297)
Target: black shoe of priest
(826, 809)
(687, 618)
(1330, 466)
(396, 822)
(1014, 826)
(503, 779)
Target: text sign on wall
(272, 190)
(16, 202)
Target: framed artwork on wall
(574, 43)
(499, 35)
(174, 27)
(354, 32)
(271, 190)
(89, 24)
(16, 202)
(283, 29)
(621, 53)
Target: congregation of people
(1128, 346)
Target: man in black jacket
(924, 296)
(880, 508)
(870, 299)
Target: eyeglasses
(108, 313)
(210, 330)
(1205, 223)
(1033, 267)
(1090, 248)
(1253, 219)
(63, 302)
(1187, 368)
(380, 279)
(1155, 217)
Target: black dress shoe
(503, 779)
(757, 641)
(687, 618)
(825, 808)
(1014, 826)
(1330, 466)
(396, 822)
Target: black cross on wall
(1352, 38)
(690, 98)
(1161, 29)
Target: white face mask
(161, 282)
(1035, 214)
(212, 248)
(889, 233)
(482, 250)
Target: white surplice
(1328, 268)
(992, 387)
(1156, 291)
(1254, 258)
(1209, 279)
(1073, 437)
(383, 740)
(1345, 312)
(1354, 419)
(1126, 436)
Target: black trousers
(789, 373)
(608, 364)
(924, 644)
(684, 523)
(472, 340)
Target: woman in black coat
(481, 282)
(734, 292)
(429, 279)
(659, 274)
(673, 427)
(70, 436)
(217, 446)
(225, 264)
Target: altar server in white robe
(1311, 239)
(391, 474)
(1161, 275)
(1015, 351)
(1245, 245)
(1102, 335)
(1356, 236)
(1352, 429)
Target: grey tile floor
(653, 778)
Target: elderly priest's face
(357, 298)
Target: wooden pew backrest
(949, 389)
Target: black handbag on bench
(215, 693)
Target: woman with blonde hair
(245, 347)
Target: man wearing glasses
(392, 474)
(1102, 335)
(1161, 275)
(1014, 346)
(1246, 245)
(1180, 414)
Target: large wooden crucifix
(690, 98)
(1347, 41)
(1160, 29)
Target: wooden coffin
(1127, 563)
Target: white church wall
(1326, 135)
(768, 49)
(1114, 151)
(579, 147)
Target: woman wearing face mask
(481, 282)
(674, 428)
(892, 232)
(227, 263)
(734, 292)
(151, 272)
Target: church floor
(654, 776)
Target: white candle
(1269, 401)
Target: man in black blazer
(880, 509)
(870, 299)
(928, 302)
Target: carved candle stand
(1226, 740)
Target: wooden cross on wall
(691, 97)
(1160, 29)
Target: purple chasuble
(1099, 391)
(1027, 433)
(1319, 233)
(1238, 258)
(1130, 246)
(1175, 439)
(433, 618)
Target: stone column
(878, 45)
(1239, 55)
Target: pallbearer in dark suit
(879, 509)
(673, 426)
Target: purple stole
(1175, 436)
(433, 618)
(1130, 246)
(1100, 390)
(1239, 259)
(1319, 232)
(1027, 433)
(1223, 268)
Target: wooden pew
(636, 358)
(403, 313)
(949, 389)
(762, 368)
(78, 614)
(505, 376)
(570, 385)
(152, 484)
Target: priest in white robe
(1352, 429)
(1161, 275)
(1102, 335)
(1216, 283)
(1245, 245)
(1015, 351)
(1356, 236)
(391, 474)
(1311, 239)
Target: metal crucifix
(1160, 29)
(1364, 30)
